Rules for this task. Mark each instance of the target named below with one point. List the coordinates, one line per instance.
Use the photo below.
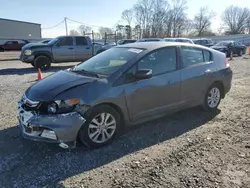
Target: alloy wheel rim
(101, 128)
(213, 97)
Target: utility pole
(66, 27)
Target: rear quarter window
(207, 56)
(191, 56)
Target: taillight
(227, 63)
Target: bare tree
(202, 20)
(137, 31)
(73, 32)
(160, 13)
(143, 12)
(120, 31)
(104, 30)
(248, 25)
(84, 29)
(127, 15)
(235, 18)
(128, 31)
(178, 16)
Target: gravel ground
(12, 55)
(191, 148)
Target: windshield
(109, 61)
(53, 41)
(222, 44)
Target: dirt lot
(5, 56)
(191, 148)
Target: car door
(63, 50)
(83, 50)
(161, 92)
(196, 74)
(11, 45)
(234, 47)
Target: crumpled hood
(48, 88)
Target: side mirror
(143, 74)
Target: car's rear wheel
(212, 97)
(101, 126)
(240, 53)
(1, 50)
(42, 62)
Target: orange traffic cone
(39, 76)
(231, 56)
(249, 49)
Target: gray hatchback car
(124, 85)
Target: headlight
(27, 52)
(62, 106)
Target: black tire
(33, 64)
(240, 53)
(42, 62)
(84, 132)
(206, 105)
(1, 50)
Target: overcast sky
(94, 12)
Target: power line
(83, 23)
(54, 25)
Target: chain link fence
(242, 38)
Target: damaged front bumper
(53, 128)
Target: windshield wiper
(86, 72)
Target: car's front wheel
(1, 49)
(101, 126)
(42, 62)
(212, 97)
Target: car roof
(155, 45)
(145, 39)
(183, 38)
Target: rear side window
(191, 56)
(81, 41)
(207, 56)
(66, 41)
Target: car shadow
(30, 70)
(46, 164)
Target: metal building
(13, 29)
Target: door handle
(88, 48)
(207, 72)
(70, 48)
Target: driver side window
(160, 61)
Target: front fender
(47, 53)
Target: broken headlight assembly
(62, 106)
